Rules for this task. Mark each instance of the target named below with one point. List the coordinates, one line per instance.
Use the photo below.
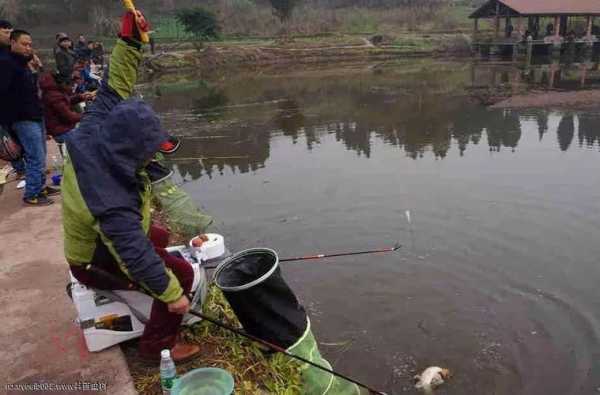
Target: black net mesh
(265, 305)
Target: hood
(108, 155)
(47, 83)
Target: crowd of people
(110, 165)
(37, 103)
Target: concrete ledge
(39, 341)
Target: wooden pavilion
(556, 12)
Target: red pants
(163, 327)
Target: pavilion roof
(539, 8)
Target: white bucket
(211, 249)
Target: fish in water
(431, 378)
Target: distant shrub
(283, 9)
(201, 23)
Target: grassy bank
(235, 54)
(254, 371)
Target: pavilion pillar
(590, 23)
(531, 23)
(564, 24)
(520, 26)
(583, 75)
(475, 26)
(557, 27)
(497, 20)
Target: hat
(5, 24)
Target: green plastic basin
(204, 381)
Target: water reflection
(589, 130)
(500, 257)
(422, 112)
(551, 75)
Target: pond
(498, 275)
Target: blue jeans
(60, 139)
(19, 165)
(32, 137)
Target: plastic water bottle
(168, 373)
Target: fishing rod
(283, 351)
(323, 256)
(130, 286)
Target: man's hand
(134, 26)
(88, 96)
(35, 64)
(180, 306)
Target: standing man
(5, 31)
(82, 49)
(56, 47)
(5, 59)
(22, 106)
(65, 57)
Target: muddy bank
(218, 57)
(581, 100)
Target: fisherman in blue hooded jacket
(106, 199)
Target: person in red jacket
(59, 116)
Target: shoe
(21, 184)
(39, 200)
(170, 146)
(182, 352)
(50, 191)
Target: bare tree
(10, 9)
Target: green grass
(254, 371)
(361, 23)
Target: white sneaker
(21, 184)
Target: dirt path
(39, 341)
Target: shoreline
(213, 56)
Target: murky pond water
(499, 275)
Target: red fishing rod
(323, 256)
(123, 283)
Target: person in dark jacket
(6, 29)
(106, 201)
(83, 49)
(56, 47)
(22, 107)
(65, 57)
(98, 54)
(5, 62)
(59, 116)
